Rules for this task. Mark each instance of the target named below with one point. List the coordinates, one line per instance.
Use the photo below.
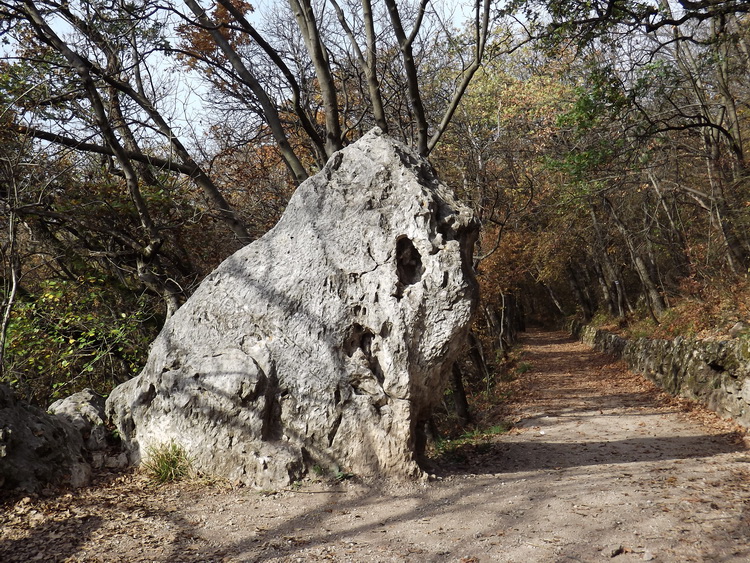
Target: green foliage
(166, 463)
(344, 475)
(644, 327)
(69, 335)
(473, 436)
(598, 104)
(477, 439)
(336, 472)
(523, 367)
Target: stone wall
(715, 373)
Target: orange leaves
(198, 40)
(255, 181)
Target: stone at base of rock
(37, 448)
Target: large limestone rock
(326, 342)
(37, 449)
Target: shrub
(67, 335)
(167, 462)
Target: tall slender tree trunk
(610, 274)
(655, 300)
(459, 396)
(579, 292)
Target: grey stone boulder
(325, 343)
(37, 448)
(85, 410)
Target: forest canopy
(601, 145)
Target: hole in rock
(362, 338)
(272, 428)
(147, 397)
(374, 365)
(334, 430)
(353, 339)
(385, 330)
(408, 262)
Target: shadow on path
(532, 454)
(576, 407)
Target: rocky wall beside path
(715, 373)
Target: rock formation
(37, 448)
(326, 342)
(85, 410)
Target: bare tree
(348, 89)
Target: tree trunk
(580, 294)
(554, 299)
(650, 286)
(305, 16)
(459, 397)
(476, 353)
(270, 113)
(410, 65)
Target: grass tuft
(167, 462)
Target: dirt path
(600, 464)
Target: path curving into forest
(600, 464)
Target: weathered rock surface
(326, 342)
(713, 372)
(37, 448)
(85, 410)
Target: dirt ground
(600, 465)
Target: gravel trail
(599, 465)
